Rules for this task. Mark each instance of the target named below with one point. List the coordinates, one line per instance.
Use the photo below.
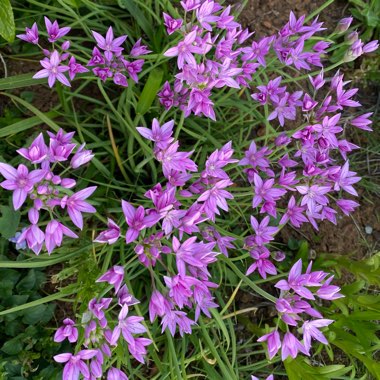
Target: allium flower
(291, 346)
(263, 233)
(54, 31)
(111, 235)
(31, 35)
(113, 276)
(33, 236)
(135, 220)
(116, 374)
(68, 330)
(75, 68)
(310, 330)
(76, 205)
(273, 341)
(20, 181)
(184, 50)
(54, 234)
(81, 157)
(53, 70)
(37, 151)
(171, 24)
(161, 135)
(109, 44)
(75, 364)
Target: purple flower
(216, 197)
(345, 180)
(110, 45)
(362, 122)
(138, 49)
(116, 374)
(263, 233)
(262, 264)
(273, 342)
(137, 348)
(264, 191)
(54, 31)
(37, 151)
(205, 14)
(68, 330)
(161, 135)
(97, 308)
(53, 70)
(34, 238)
(174, 318)
(347, 205)
(54, 234)
(329, 292)
(135, 220)
(125, 298)
(171, 24)
(75, 68)
(282, 109)
(31, 35)
(111, 235)
(310, 330)
(313, 195)
(343, 24)
(20, 181)
(76, 205)
(81, 157)
(294, 213)
(75, 364)
(291, 346)
(113, 276)
(184, 50)
(97, 58)
(158, 305)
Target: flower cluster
(100, 337)
(213, 54)
(45, 188)
(186, 285)
(108, 62)
(294, 307)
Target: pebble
(368, 230)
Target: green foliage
(7, 23)
(26, 344)
(368, 13)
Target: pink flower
(20, 181)
(54, 32)
(54, 234)
(53, 70)
(110, 45)
(111, 235)
(171, 24)
(310, 330)
(135, 220)
(291, 346)
(31, 35)
(68, 330)
(273, 342)
(113, 276)
(75, 364)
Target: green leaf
(17, 81)
(7, 22)
(12, 347)
(27, 283)
(150, 91)
(9, 221)
(38, 314)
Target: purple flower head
(75, 364)
(81, 157)
(116, 374)
(53, 70)
(294, 213)
(173, 318)
(75, 68)
(216, 197)
(190, 5)
(54, 31)
(34, 238)
(125, 298)
(264, 191)
(109, 44)
(313, 196)
(161, 135)
(31, 35)
(347, 205)
(184, 50)
(205, 14)
(20, 181)
(291, 346)
(54, 234)
(37, 151)
(135, 220)
(110, 235)
(273, 341)
(345, 179)
(158, 305)
(137, 348)
(263, 233)
(329, 292)
(138, 49)
(97, 58)
(76, 204)
(113, 276)
(362, 122)
(310, 330)
(97, 308)
(171, 24)
(68, 330)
